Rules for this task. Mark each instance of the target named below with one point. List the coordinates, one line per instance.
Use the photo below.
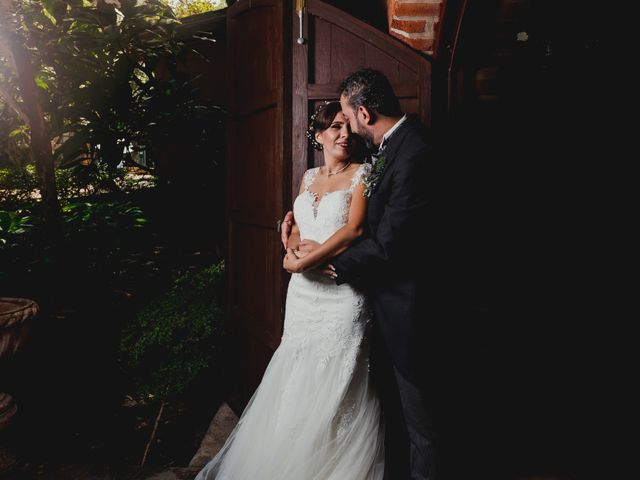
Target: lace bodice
(319, 217)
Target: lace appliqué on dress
(343, 195)
(326, 332)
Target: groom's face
(357, 124)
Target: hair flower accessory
(311, 130)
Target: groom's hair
(371, 89)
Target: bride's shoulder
(309, 176)
(311, 173)
(365, 168)
(362, 169)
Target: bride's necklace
(337, 171)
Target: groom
(392, 263)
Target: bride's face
(337, 140)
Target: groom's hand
(328, 270)
(285, 228)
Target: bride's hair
(321, 120)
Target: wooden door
(258, 130)
(274, 82)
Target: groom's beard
(367, 137)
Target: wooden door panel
(319, 51)
(409, 105)
(256, 179)
(257, 168)
(256, 46)
(346, 54)
(255, 292)
(395, 72)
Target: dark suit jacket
(393, 261)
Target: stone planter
(8, 409)
(15, 316)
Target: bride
(315, 415)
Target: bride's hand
(307, 246)
(291, 263)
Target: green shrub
(13, 225)
(98, 241)
(96, 217)
(18, 184)
(177, 336)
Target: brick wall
(414, 22)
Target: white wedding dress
(315, 415)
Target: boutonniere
(373, 177)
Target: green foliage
(21, 251)
(93, 178)
(185, 8)
(96, 217)
(14, 139)
(97, 242)
(175, 338)
(81, 180)
(13, 225)
(108, 76)
(20, 185)
(17, 185)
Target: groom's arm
(289, 231)
(398, 230)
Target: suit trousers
(409, 442)
(419, 429)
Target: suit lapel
(394, 147)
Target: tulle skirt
(305, 422)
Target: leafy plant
(99, 242)
(95, 217)
(107, 75)
(173, 338)
(12, 225)
(185, 8)
(176, 337)
(18, 246)
(17, 185)
(14, 139)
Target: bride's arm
(338, 242)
